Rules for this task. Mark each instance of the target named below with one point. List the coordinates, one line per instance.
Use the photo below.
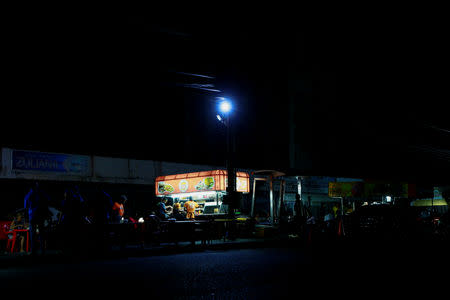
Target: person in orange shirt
(190, 207)
(118, 209)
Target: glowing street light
(225, 106)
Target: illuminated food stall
(207, 188)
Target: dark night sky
(106, 85)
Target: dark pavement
(239, 271)
(232, 274)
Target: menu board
(216, 182)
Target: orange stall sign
(200, 182)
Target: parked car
(378, 221)
(385, 221)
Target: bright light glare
(219, 117)
(388, 198)
(225, 106)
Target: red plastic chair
(10, 241)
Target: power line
(195, 75)
(437, 128)
(199, 86)
(439, 153)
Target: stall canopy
(215, 180)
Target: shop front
(207, 188)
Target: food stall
(207, 188)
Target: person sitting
(19, 223)
(177, 206)
(177, 213)
(162, 211)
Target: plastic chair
(11, 241)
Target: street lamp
(225, 107)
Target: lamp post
(225, 108)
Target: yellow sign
(345, 189)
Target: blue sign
(50, 162)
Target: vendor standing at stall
(190, 207)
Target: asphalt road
(252, 273)
(215, 274)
